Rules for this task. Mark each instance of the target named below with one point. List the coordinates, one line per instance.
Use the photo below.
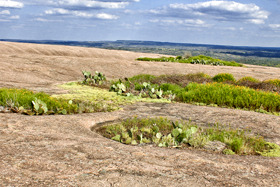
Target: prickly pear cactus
(39, 107)
(98, 78)
(119, 88)
(117, 138)
(175, 133)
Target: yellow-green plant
(221, 77)
(248, 78)
(276, 82)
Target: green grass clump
(221, 77)
(206, 60)
(161, 59)
(238, 141)
(226, 93)
(22, 98)
(210, 60)
(276, 82)
(230, 96)
(173, 87)
(165, 133)
(142, 78)
(248, 78)
(201, 74)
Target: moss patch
(228, 152)
(273, 151)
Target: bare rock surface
(215, 146)
(63, 151)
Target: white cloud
(91, 4)
(42, 20)
(10, 4)
(4, 20)
(154, 20)
(196, 22)
(106, 16)
(186, 22)
(82, 14)
(61, 11)
(217, 10)
(230, 28)
(256, 21)
(57, 11)
(129, 11)
(14, 17)
(5, 12)
(274, 27)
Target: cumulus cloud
(217, 10)
(10, 4)
(61, 11)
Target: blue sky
(241, 23)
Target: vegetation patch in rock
(183, 88)
(162, 132)
(95, 99)
(31, 103)
(201, 59)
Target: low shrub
(201, 75)
(248, 78)
(275, 82)
(222, 77)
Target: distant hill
(266, 56)
(123, 43)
